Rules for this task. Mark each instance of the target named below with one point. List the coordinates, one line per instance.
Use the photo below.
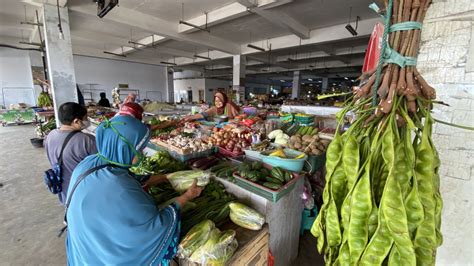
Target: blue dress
(111, 220)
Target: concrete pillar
(59, 57)
(324, 86)
(169, 86)
(238, 81)
(295, 92)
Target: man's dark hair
(102, 95)
(69, 111)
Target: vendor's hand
(193, 192)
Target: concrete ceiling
(309, 31)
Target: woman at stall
(222, 106)
(111, 220)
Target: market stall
(261, 161)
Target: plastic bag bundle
(217, 250)
(195, 238)
(246, 217)
(182, 180)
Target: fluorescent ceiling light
(346, 78)
(281, 80)
(310, 79)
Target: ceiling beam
(160, 27)
(317, 36)
(279, 18)
(226, 13)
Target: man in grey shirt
(73, 117)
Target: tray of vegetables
(271, 184)
(231, 141)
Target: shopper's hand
(193, 192)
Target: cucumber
(271, 185)
(273, 180)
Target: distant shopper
(73, 118)
(104, 102)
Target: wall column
(238, 81)
(59, 56)
(296, 90)
(169, 86)
(325, 85)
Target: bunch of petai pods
(382, 203)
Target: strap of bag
(69, 136)
(79, 179)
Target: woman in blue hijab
(111, 220)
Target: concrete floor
(31, 217)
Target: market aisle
(30, 216)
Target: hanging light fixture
(60, 27)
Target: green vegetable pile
(256, 172)
(161, 131)
(160, 163)
(213, 204)
(382, 203)
(224, 170)
(44, 100)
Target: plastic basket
(304, 119)
(250, 111)
(230, 154)
(309, 216)
(294, 165)
(267, 193)
(315, 163)
(253, 155)
(287, 118)
(161, 146)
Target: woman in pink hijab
(222, 106)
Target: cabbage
(195, 238)
(245, 217)
(217, 250)
(183, 180)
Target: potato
(307, 138)
(321, 147)
(294, 138)
(315, 138)
(297, 145)
(316, 152)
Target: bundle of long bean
(382, 203)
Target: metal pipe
(31, 23)
(168, 63)
(202, 57)
(192, 25)
(19, 48)
(255, 47)
(31, 43)
(122, 55)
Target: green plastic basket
(315, 163)
(269, 194)
(304, 119)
